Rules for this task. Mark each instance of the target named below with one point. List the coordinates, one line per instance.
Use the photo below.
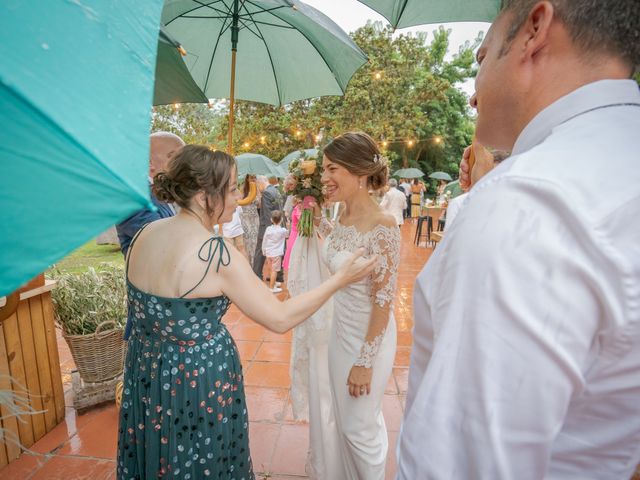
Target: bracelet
(317, 218)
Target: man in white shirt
(526, 356)
(394, 201)
(233, 232)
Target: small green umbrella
(174, 83)
(256, 164)
(76, 86)
(409, 13)
(454, 188)
(409, 173)
(441, 176)
(267, 51)
(309, 152)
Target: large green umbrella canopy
(174, 83)
(257, 164)
(409, 173)
(267, 51)
(408, 13)
(76, 84)
(441, 176)
(309, 153)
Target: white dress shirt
(233, 228)
(273, 241)
(526, 356)
(394, 202)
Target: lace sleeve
(385, 244)
(325, 227)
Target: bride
(362, 340)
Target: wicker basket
(98, 356)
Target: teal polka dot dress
(183, 413)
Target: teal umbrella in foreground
(76, 85)
(409, 13)
(309, 153)
(267, 51)
(409, 173)
(256, 164)
(174, 83)
(441, 176)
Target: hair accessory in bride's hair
(377, 158)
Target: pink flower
(308, 202)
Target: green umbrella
(441, 176)
(309, 152)
(454, 188)
(257, 164)
(267, 51)
(408, 13)
(76, 85)
(409, 173)
(174, 83)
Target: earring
(360, 186)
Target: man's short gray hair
(167, 136)
(261, 180)
(599, 26)
(393, 183)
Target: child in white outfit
(273, 249)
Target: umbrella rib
(215, 49)
(273, 68)
(200, 5)
(404, 6)
(312, 44)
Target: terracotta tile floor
(84, 446)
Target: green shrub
(83, 301)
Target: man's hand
(463, 173)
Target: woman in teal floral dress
(183, 413)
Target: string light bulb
(377, 75)
(385, 144)
(410, 143)
(245, 144)
(262, 139)
(437, 139)
(176, 106)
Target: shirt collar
(588, 97)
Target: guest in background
(293, 232)
(406, 187)
(163, 147)
(394, 201)
(417, 190)
(250, 219)
(271, 200)
(233, 232)
(273, 249)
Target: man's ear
(536, 28)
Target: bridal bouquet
(307, 172)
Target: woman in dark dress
(183, 413)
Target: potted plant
(91, 309)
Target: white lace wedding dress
(361, 431)
(348, 437)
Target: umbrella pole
(232, 102)
(234, 48)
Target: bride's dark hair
(359, 154)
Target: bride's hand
(355, 268)
(359, 381)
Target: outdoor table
(435, 213)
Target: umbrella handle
(251, 196)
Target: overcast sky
(351, 14)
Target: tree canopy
(405, 98)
